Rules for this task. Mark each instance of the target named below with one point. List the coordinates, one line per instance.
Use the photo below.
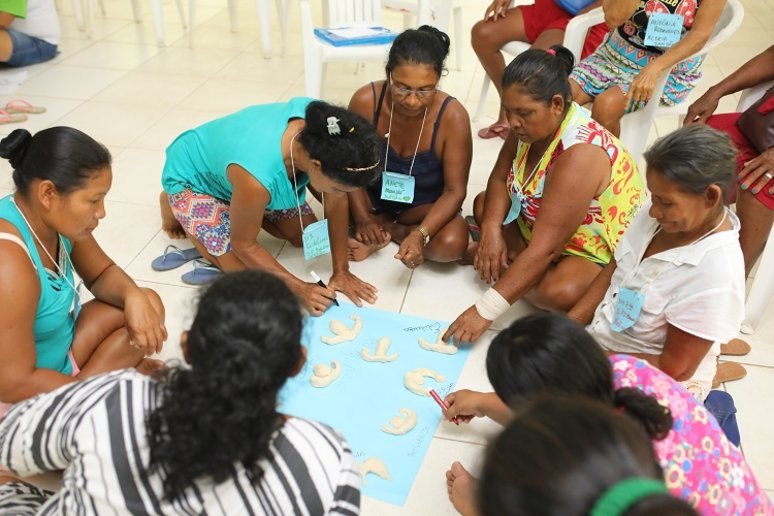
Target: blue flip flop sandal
(203, 273)
(174, 257)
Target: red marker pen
(442, 404)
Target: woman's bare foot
(169, 223)
(462, 489)
(358, 251)
(148, 366)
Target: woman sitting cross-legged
(559, 197)
(550, 353)
(572, 456)
(201, 440)
(675, 289)
(230, 178)
(417, 200)
(47, 338)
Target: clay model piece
(439, 346)
(323, 375)
(413, 380)
(399, 425)
(381, 352)
(342, 333)
(375, 466)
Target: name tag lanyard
(629, 304)
(408, 181)
(317, 232)
(76, 305)
(518, 195)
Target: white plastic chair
(337, 13)
(264, 18)
(84, 15)
(762, 287)
(574, 36)
(635, 127)
(437, 13)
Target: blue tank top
(427, 172)
(54, 323)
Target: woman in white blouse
(675, 289)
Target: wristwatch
(425, 235)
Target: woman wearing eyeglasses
(417, 200)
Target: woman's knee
(552, 294)
(609, 107)
(487, 36)
(449, 244)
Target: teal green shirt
(197, 160)
(54, 324)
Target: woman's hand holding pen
(464, 405)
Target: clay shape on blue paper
(342, 333)
(401, 424)
(374, 466)
(323, 375)
(439, 346)
(380, 354)
(414, 379)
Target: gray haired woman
(675, 288)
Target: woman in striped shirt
(201, 440)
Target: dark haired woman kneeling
(428, 144)
(549, 353)
(561, 194)
(47, 339)
(226, 180)
(201, 440)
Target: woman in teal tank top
(228, 179)
(46, 338)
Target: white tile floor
(118, 86)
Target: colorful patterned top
(700, 465)
(633, 30)
(609, 213)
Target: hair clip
(333, 125)
(352, 129)
(362, 169)
(551, 51)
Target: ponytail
(655, 418)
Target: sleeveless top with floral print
(609, 214)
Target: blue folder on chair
(344, 36)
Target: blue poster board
(367, 395)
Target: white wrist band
(492, 305)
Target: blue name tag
(515, 210)
(397, 187)
(316, 239)
(628, 306)
(663, 30)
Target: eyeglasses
(406, 92)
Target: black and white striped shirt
(95, 431)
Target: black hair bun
(442, 37)
(566, 57)
(13, 146)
